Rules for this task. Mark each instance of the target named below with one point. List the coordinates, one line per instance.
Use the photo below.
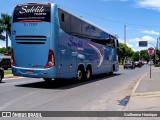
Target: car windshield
(128, 61)
(0, 59)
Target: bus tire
(0, 78)
(113, 68)
(80, 73)
(88, 73)
(47, 79)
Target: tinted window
(75, 26)
(65, 20)
(32, 12)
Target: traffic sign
(143, 43)
(151, 51)
(2, 37)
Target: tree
(125, 52)
(5, 26)
(135, 56)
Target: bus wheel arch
(114, 67)
(88, 71)
(80, 72)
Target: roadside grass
(7, 72)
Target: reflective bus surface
(49, 42)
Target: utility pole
(124, 42)
(158, 42)
(124, 34)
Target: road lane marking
(139, 80)
(146, 93)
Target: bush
(157, 65)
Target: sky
(141, 17)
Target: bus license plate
(29, 71)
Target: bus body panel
(29, 45)
(74, 51)
(31, 42)
(69, 51)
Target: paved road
(102, 93)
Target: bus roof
(45, 3)
(89, 22)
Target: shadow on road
(65, 84)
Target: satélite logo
(75, 42)
(33, 9)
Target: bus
(51, 43)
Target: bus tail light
(12, 58)
(50, 62)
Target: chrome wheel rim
(79, 74)
(88, 74)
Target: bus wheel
(47, 79)
(112, 70)
(80, 74)
(88, 73)
(0, 78)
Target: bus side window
(65, 20)
(75, 26)
(117, 43)
(110, 43)
(113, 43)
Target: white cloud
(151, 32)
(151, 4)
(144, 38)
(120, 40)
(134, 42)
(128, 44)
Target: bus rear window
(32, 13)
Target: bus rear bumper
(34, 73)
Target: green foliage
(124, 51)
(5, 23)
(135, 56)
(140, 55)
(5, 26)
(157, 65)
(3, 50)
(8, 72)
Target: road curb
(8, 76)
(139, 80)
